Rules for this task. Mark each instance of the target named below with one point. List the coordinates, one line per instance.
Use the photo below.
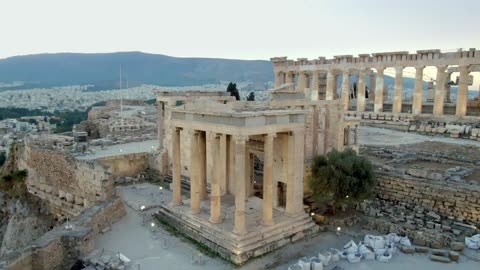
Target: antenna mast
(121, 98)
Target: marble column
(378, 106)
(462, 92)
(195, 174)
(202, 144)
(418, 91)
(448, 87)
(335, 87)
(222, 163)
(215, 196)
(301, 82)
(330, 85)
(398, 91)
(314, 85)
(371, 92)
(345, 90)
(268, 180)
(176, 168)
(160, 124)
(295, 164)
(278, 79)
(439, 99)
(290, 77)
(361, 90)
(240, 226)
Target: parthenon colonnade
(463, 61)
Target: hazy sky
(244, 29)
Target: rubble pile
(424, 227)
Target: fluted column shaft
(418, 91)
(301, 82)
(371, 93)
(314, 86)
(330, 85)
(268, 180)
(361, 85)
(462, 94)
(160, 124)
(215, 193)
(295, 163)
(240, 152)
(176, 168)
(378, 106)
(195, 174)
(439, 99)
(345, 90)
(277, 79)
(290, 77)
(397, 97)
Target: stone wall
(61, 247)
(447, 198)
(68, 184)
(126, 165)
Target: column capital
(240, 139)
(363, 71)
(419, 68)
(441, 68)
(271, 135)
(380, 70)
(399, 69)
(464, 69)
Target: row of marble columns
(198, 177)
(378, 88)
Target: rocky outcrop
(24, 224)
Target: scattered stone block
(440, 259)
(454, 256)
(422, 249)
(440, 252)
(457, 246)
(407, 249)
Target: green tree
(339, 180)
(251, 96)
(232, 89)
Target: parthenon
(318, 77)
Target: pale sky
(242, 29)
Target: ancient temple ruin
(318, 78)
(212, 147)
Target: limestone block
(422, 249)
(69, 197)
(61, 194)
(428, 128)
(475, 132)
(78, 200)
(457, 246)
(454, 256)
(440, 259)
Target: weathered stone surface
(422, 249)
(407, 249)
(440, 259)
(457, 246)
(454, 256)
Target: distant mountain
(102, 70)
